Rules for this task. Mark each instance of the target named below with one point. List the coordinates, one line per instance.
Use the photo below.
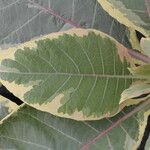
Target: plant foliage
(76, 85)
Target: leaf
(135, 13)
(21, 21)
(71, 74)
(136, 91)
(29, 128)
(145, 45)
(134, 39)
(143, 70)
(6, 107)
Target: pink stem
(139, 56)
(115, 124)
(50, 11)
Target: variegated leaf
(78, 74)
(29, 128)
(132, 13)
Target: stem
(50, 11)
(115, 124)
(139, 56)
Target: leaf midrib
(79, 74)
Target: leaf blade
(79, 65)
(133, 14)
(59, 132)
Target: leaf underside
(21, 21)
(29, 128)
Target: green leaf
(29, 128)
(133, 13)
(145, 45)
(77, 73)
(21, 21)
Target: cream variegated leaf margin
(77, 76)
(134, 14)
(136, 90)
(145, 45)
(56, 133)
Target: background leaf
(135, 13)
(29, 128)
(20, 21)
